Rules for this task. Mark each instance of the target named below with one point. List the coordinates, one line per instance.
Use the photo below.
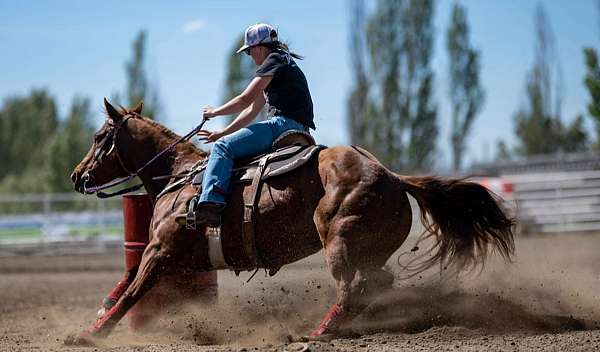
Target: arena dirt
(548, 299)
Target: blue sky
(80, 47)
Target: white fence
(49, 222)
(545, 202)
(557, 202)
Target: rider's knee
(222, 148)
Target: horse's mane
(160, 127)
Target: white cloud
(193, 26)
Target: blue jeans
(252, 140)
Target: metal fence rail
(63, 217)
(557, 202)
(544, 202)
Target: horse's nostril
(73, 177)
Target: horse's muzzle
(80, 182)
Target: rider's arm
(246, 116)
(246, 99)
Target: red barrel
(173, 288)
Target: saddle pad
(279, 162)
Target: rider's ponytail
(283, 46)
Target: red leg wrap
(116, 293)
(95, 329)
(333, 320)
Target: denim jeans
(252, 140)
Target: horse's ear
(138, 109)
(113, 113)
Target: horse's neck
(175, 161)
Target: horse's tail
(465, 219)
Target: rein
(97, 189)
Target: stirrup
(190, 217)
(208, 214)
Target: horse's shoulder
(172, 202)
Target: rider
(280, 83)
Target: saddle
(290, 151)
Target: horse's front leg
(156, 259)
(115, 294)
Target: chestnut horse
(343, 201)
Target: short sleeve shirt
(287, 94)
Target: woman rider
(280, 83)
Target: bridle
(112, 136)
(101, 152)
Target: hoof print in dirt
(297, 347)
(319, 338)
(83, 339)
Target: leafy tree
(466, 93)
(137, 85)
(592, 83)
(502, 151)
(424, 130)
(538, 123)
(537, 132)
(28, 123)
(385, 123)
(69, 145)
(390, 107)
(358, 100)
(574, 137)
(240, 71)
(39, 150)
(417, 81)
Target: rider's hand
(208, 112)
(210, 137)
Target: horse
(342, 201)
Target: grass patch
(72, 231)
(91, 231)
(24, 233)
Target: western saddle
(290, 151)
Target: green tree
(386, 124)
(240, 71)
(390, 107)
(358, 99)
(418, 80)
(539, 128)
(574, 137)
(536, 131)
(592, 83)
(466, 93)
(502, 151)
(28, 123)
(138, 86)
(69, 145)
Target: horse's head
(102, 163)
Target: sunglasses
(247, 51)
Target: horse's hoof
(101, 312)
(84, 339)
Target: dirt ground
(548, 299)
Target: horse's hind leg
(356, 287)
(155, 260)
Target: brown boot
(208, 213)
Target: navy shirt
(287, 94)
